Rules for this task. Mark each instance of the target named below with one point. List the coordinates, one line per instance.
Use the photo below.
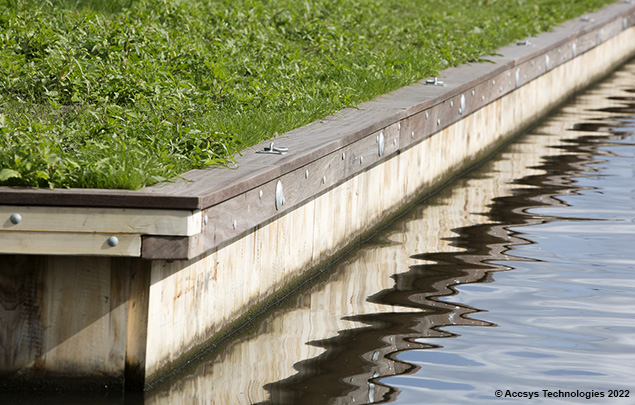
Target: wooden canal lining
(80, 308)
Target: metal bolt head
(344, 156)
(279, 195)
(15, 219)
(205, 219)
(113, 241)
(260, 194)
(234, 224)
(306, 174)
(463, 102)
(380, 143)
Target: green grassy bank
(126, 93)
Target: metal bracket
(271, 150)
(435, 82)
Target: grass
(127, 93)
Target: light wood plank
(104, 220)
(69, 243)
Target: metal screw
(113, 241)
(361, 160)
(451, 103)
(205, 219)
(573, 49)
(517, 77)
(323, 179)
(343, 155)
(473, 92)
(15, 219)
(493, 82)
(306, 174)
(260, 194)
(483, 98)
(234, 224)
(439, 121)
(546, 62)
(412, 135)
(399, 126)
(427, 115)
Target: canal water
(515, 281)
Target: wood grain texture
(20, 312)
(64, 319)
(102, 220)
(68, 243)
(137, 322)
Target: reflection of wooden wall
(99, 317)
(268, 355)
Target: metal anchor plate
(273, 150)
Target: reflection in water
(364, 334)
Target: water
(520, 277)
